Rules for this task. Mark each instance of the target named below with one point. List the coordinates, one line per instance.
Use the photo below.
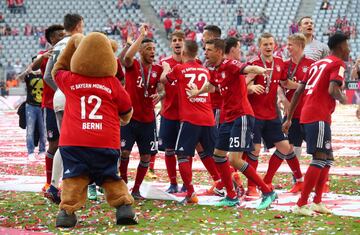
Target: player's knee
(125, 154)
(182, 159)
(169, 152)
(145, 158)
(219, 158)
(320, 156)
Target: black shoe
(53, 194)
(137, 196)
(64, 220)
(183, 189)
(126, 216)
(172, 189)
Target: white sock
(297, 151)
(57, 170)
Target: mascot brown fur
(92, 57)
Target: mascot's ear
(114, 45)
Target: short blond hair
(298, 38)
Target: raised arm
(134, 48)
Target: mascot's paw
(125, 215)
(64, 220)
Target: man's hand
(144, 29)
(286, 105)
(48, 54)
(193, 90)
(156, 98)
(286, 126)
(166, 66)
(256, 89)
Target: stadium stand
(278, 15)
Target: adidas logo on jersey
(67, 171)
(181, 149)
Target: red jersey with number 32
(264, 105)
(298, 76)
(197, 110)
(93, 106)
(232, 85)
(319, 104)
(135, 85)
(170, 104)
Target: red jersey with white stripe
(48, 92)
(93, 106)
(296, 73)
(264, 105)
(232, 85)
(140, 88)
(197, 110)
(170, 103)
(319, 104)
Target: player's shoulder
(166, 59)
(62, 43)
(308, 60)
(253, 60)
(278, 59)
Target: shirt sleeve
(237, 67)
(47, 75)
(337, 73)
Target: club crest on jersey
(327, 144)
(154, 74)
(223, 75)
(278, 68)
(123, 143)
(305, 69)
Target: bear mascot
(96, 106)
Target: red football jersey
(170, 103)
(135, 85)
(93, 106)
(232, 85)
(197, 110)
(264, 105)
(319, 104)
(296, 73)
(48, 92)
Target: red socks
(48, 166)
(223, 167)
(311, 179)
(170, 161)
(124, 162)
(210, 167)
(251, 174)
(321, 183)
(274, 164)
(186, 174)
(140, 175)
(294, 165)
(152, 162)
(253, 161)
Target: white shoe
(41, 155)
(303, 210)
(31, 157)
(321, 208)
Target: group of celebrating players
(220, 107)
